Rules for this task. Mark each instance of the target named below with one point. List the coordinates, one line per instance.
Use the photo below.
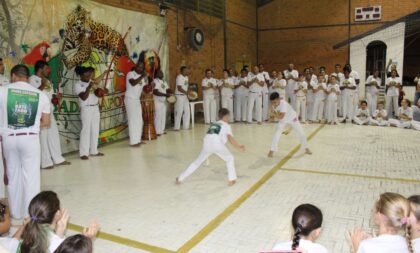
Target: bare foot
(177, 182)
(64, 163)
(231, 183)
(308, 151)
(135, 145)
(270, 154)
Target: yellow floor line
(124, 241)
(404, 180)
(213, 224)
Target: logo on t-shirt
(22, 107)
(214, 128)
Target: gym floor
(131, 192)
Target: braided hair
(306, 218)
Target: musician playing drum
(161, 91)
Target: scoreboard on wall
(372, 13)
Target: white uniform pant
(255, 99)
(348, 107)
(212, 145)
(415, 125)
(381, 122)
(301, 108)
(291, 96)
(241, 105)
(298, 131)
(50, 145)
(89, 135)
(265, 104)
(355, 101)
(135, 119)
(310, 104)
(340, 105)
(391, 103)
(361, 121)
(182, 110)
(209, 106)
(400, 123)
(332, 111)
(23, 159)
(372, 100)
(160, 115)
(318, 110)
(227, 103)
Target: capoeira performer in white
(265, 93)
(284, 113)
(362, 115)
(292, 76)
(24, 110)
(182, 105)
(209, 86)
(380, 116)
(372, 89)
(214, 143)
(241, 98)
(49, 137)
(255, 84)
(161, 91)
(227, 87)
(135, 82)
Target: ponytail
(408, 238)
(296, 237)
(35, 238)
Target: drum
(148, 111)
(192, 95)
(171, 99)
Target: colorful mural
(76, 32)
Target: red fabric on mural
(123, 66)
(36, 54)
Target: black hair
(1, 59)
(338, 65)
(306, 218)
(227, 70)
(75, 244)
(274, 96)
(408, 102)
(346, 69)
(260, 64)
(42, 210)
(183, 68)
(207, 70)
(243, 70)
(80, 70)
(223, 112)
(20, 70)
(40, 64)
(322, 68)
(363, 102)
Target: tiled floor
(131, 192)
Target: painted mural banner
(75, 32)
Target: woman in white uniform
(241, 99)
(393, 83)
(333, 91)
(89, 112)
(320, 94)
(161, 91)
(372, 85)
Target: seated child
(362, 116)
(306, 222)
(415, 123)
(404, 115)
(379, 117)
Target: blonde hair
(397, 209)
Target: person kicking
(285, 115)
(214, 143)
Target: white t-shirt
(348, 82)
(206, 83)
(266, 78)
(161, 86)
(320, 94)
(134, 92)
(255, 87)
(36, 82)
(383, 114)
(416, 245)
(384, 244)
(23, 114)
(279, 86)
(363, 114)
(219, 129)
(3, 80)
(228, 92)
(241, 90)
(372, 89)
(308, 246)
(285, 107)
(339, 75)
(408, 112)
(354, 75)
(91, 100)
(183, 82)
(300, 85)
(332, 96)
(294, 73)
(393, 91)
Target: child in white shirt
(279, 85)
(348, 87)
(372, 85)
(414, 221)
(333, 91)
(415, 123)
(306, 222)
(404, 115)
(362, 116)
(393, 84)
(391, 213)
(320, 93)
(301, 88)
(379, 117)
(214, 143)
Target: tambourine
(171, 99)
(192, 95)
(393, 83)
(99, 92)
(374, 83)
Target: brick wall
(304, 32)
